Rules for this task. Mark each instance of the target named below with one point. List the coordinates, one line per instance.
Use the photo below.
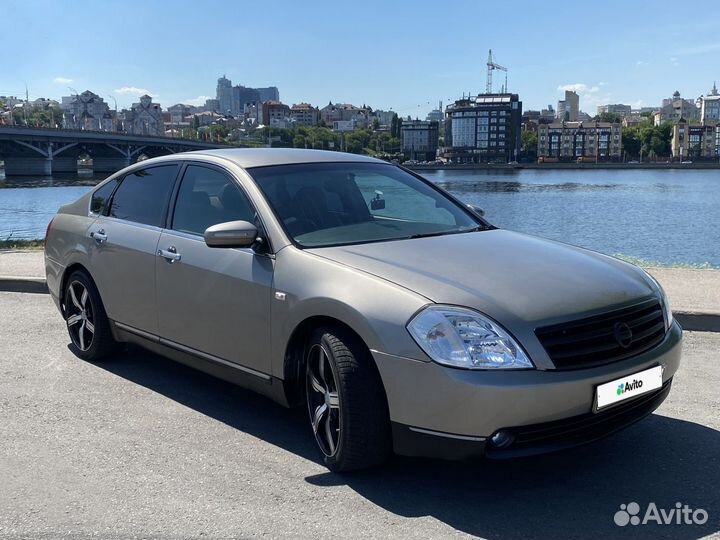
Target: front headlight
(663, 300)
(463, 338)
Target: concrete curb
(689, 320)
(698, 322)
(23, 285)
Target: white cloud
(590, 95)
(134, 91)
(579, 88)
(674, 61)
(62, 80)
(200, 100)
(641, 63)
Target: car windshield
(328, 204)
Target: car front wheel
(346, 402)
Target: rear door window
(143, 195)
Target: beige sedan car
(399, 317)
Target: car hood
(512, 277)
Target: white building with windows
(592, 141)
(710, 107)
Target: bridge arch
(42, 151)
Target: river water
(662, 216)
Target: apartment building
(572, 141)
(695, 141)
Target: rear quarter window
(101, 198)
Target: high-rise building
(484, 129)
(569, 107)
(269, 93)
(241, 96)
(232, 99)
(224, 94)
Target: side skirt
(247, 378)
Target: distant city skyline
(400, 56)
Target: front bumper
(438, 411)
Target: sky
(392, 54)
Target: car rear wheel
(346, 402)
(87, 323)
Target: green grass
(646, 263)
(21, 244)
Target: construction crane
(491, 66)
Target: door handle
(170, 254)
(99, 236)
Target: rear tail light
(47, 233)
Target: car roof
(262, 157)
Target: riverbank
(694, 294)
(565, 166)
(6, 245)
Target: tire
(347, 406)
(87, 323)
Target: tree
(375, 124)
(631, 141)
(529, 145)
(395, 126)
(36, 116)
(613, 118)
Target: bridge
(45, 151)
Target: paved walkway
(693, 293)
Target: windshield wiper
(442, 233)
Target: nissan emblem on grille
(623, 334)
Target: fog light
(502, 439)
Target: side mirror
(479, 211)
(377, 203)
(231, 234)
